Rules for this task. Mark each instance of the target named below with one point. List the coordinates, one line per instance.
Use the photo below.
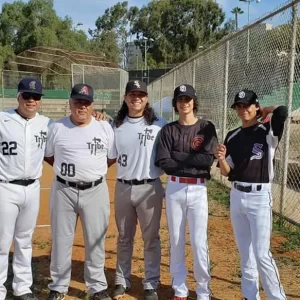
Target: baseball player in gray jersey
(80, 146)
(139, 192)
(23, 138)
(186, 152)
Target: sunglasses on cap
(28, 96)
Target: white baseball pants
(188, 203)
(251, 217)
(19, 207)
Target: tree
(116, 24)
(27, 25)
(236, 11)
(179, 27)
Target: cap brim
(242, 101)
(31, 92)
(137, 90)
(186, 95)
(82, 97)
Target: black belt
(24, 182)
(135, 181)
(79, 185)
(246, 189)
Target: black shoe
(28, 296)
(102, 295)
(150, 294)
(54, 295)
(119, 291)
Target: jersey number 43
(122, 160)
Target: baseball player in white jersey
(80, 146)
(186, 152)
(247, 158)
(23, 139)
(139, 192)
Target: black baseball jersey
(187, 150)
(250, 151)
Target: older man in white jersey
(80, 146)
(139, 192)
(23, 138)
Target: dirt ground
(225, 284)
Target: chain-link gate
(264, 57)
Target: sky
(87, 11)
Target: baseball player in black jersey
(247, 158)
(186, 152)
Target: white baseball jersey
(135, 149)
(22, 145)
(80, 153)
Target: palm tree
(237, 11)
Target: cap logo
(242, 94)
(84, 90)
(32, 85)
(182, 88)
(137, 84)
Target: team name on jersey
(145, 136)
(95, 145)
(41, 139)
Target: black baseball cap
(184, 90)
(82, 91)
(245, 97)
(136, 86)
(30, 85)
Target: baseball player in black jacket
(247, 158)
(186, 152)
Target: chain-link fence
(108, 83)
(264, 57)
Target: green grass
(218, 192)
(289, 231)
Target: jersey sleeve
(111, 142)
(49, 151)
(163, 155)
(278, 119)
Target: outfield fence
(264, 57)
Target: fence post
(160, 100)
(2, 87)
(83, 79)
(289, 105)
(174, 85)
(72, 74)
(224, 129)
(194, 73)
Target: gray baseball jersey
(135, 149)
(80, 153)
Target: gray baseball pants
(141, 203)
(92, 206)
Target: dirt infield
(225, 282)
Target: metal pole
(72, 74)
(248, 33)
(289, 105)
(194, 73)
(83, 79)
(174, 85)
(161, 100)
(145, 55)
(2, 86)
(224, 129)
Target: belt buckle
(145, 181)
